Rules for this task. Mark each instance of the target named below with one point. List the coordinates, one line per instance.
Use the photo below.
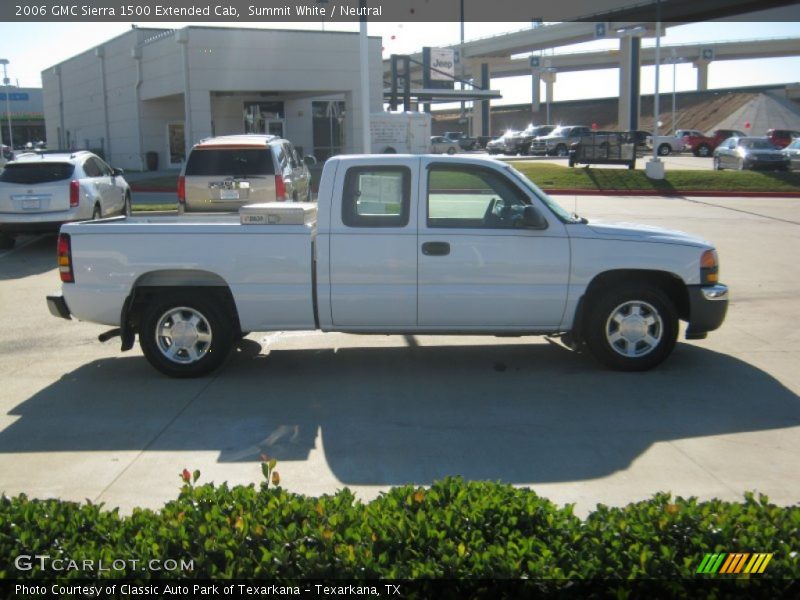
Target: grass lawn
(553, 177)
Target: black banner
(266, 11)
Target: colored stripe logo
(734, 563)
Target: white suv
(227, 172)
(41, 191)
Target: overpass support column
(702, 73)
(536, 96)
(629, 74)
(481, 114)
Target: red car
(781, 138)
(704, 145)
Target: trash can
(152, 161)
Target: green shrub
(453, 529)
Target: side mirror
(532, 219)
(309, 160)
(117, 172)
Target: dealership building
(154, 92)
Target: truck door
(482, 265)
(373, 245)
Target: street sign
(600, 30)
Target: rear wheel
(96, 213)
(451, 150)
(185, 335)
(664, 150)
(703, 150)
(561, 150)
(126, 208)
(633, 328)
(717, 164)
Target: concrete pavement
(79, 419)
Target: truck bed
(268, 268)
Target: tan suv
(226, 172)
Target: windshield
(551, 204)
(756, 144)
(36, 172)
(231, 162)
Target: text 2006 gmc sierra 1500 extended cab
(396, 244)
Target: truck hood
(642, 233)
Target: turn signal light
(709, 267)
(280, 188)
(64, 253)
(74, 193)
(182, 190)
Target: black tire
(717, 164)
(7, 241)
(126, 207)
(664, 150)
(646, 312)
(96, 213)
(561, 150)
(212, 323)
(703, 150)
(451, 150)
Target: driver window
(470, 197)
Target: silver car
(749, 153)
(792, 152)
(227, 172)
(41, 191)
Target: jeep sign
(442, 64)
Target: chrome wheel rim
(183, 335)
(634, 329)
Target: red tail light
(64, 252)
(182, 190)
(280, 188)
(74, 193)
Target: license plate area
(230, 189)
(228, 194)
(31, 204)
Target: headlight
(709, 267)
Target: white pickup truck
(397, 244)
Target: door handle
(436, 248)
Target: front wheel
(185, 335)
(633, 328)
(664, 150)
(126, 207)
(561, 150)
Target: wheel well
(142, 295)
(672, 285)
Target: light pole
(6, 82)
(674, 60)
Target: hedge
(452, 529)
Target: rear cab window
(376, 197)
(36, 172)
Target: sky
(33, 47)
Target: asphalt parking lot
(80, 420)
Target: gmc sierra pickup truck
(396, 244)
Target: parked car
(782, 137)
(41, 191)
(463, 140)
(684, 133)
(704, 145)
(441, 145)
(558, 141)
(226, 172)
(505, 144)
(6, 154)
(749, 153)
(792, 152)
